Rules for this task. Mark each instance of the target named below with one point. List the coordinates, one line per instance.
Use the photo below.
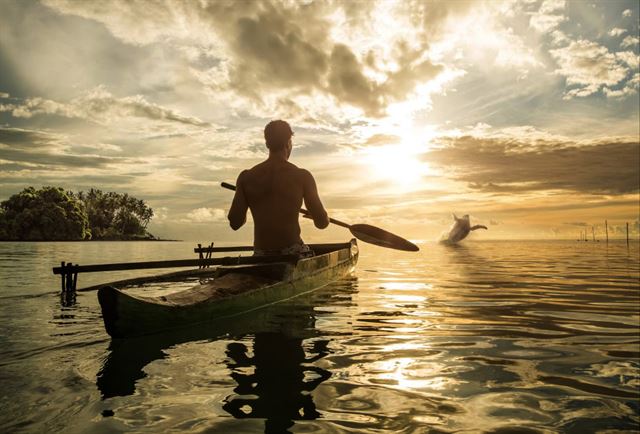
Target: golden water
(489, 336)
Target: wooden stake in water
(627, 234)
(593, 233)
(606, 230)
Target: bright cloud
(617, 31)
(100, 106)
(206, 215)
(589, 67)
(549, 16)
(629, 42)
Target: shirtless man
(274, 191)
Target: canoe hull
(234, 291)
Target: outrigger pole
(69, 272)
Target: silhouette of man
(274, 191)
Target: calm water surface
(485, 337)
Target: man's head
(277, 135)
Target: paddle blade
(380, 237)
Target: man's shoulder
(263, 168)
(297, 169)
(304, 172)
(293, 169)
(301, 173)
(248, 173)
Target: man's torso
(274, 191)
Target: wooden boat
(232, 290)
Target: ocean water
(487, 336)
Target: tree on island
(116, 216)
(52, 213)
(46, 214)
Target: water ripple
(494, 337)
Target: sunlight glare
(401, 163)
(394, 163)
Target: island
(54, 214)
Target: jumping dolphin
(460, 229)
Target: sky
(523, 114)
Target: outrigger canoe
(232, 290)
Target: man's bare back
(274, 191)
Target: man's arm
(312, 201)
(238, 212)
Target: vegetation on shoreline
(53, 214)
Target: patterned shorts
(302, 250)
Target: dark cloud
(508, 165)
(276, 51)
(22, 138)
(290, 48)
(276, 46)
(414, 69)
(47, 160)
(348, 83)
(39, 150)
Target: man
(274, 191)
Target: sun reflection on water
(408, 373)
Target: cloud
(433, 17)
(548, 17)
(589, 67)
(137, 23)
(382, 139)
(616, 31)
(273, 51)
(630, 88)
(100, 106)
(206, 215)
(283, 48)
(627, 13)
(510, 165)
(24, 138)
(550, 6)
(348, 83)
(4, 95)
(41, 150)
(629, 42)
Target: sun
(400, 164)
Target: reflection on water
(487, 337)
(280, 378)
(275, 374)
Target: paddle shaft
(363, 232)
(302, 210)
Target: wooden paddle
(363, 232)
